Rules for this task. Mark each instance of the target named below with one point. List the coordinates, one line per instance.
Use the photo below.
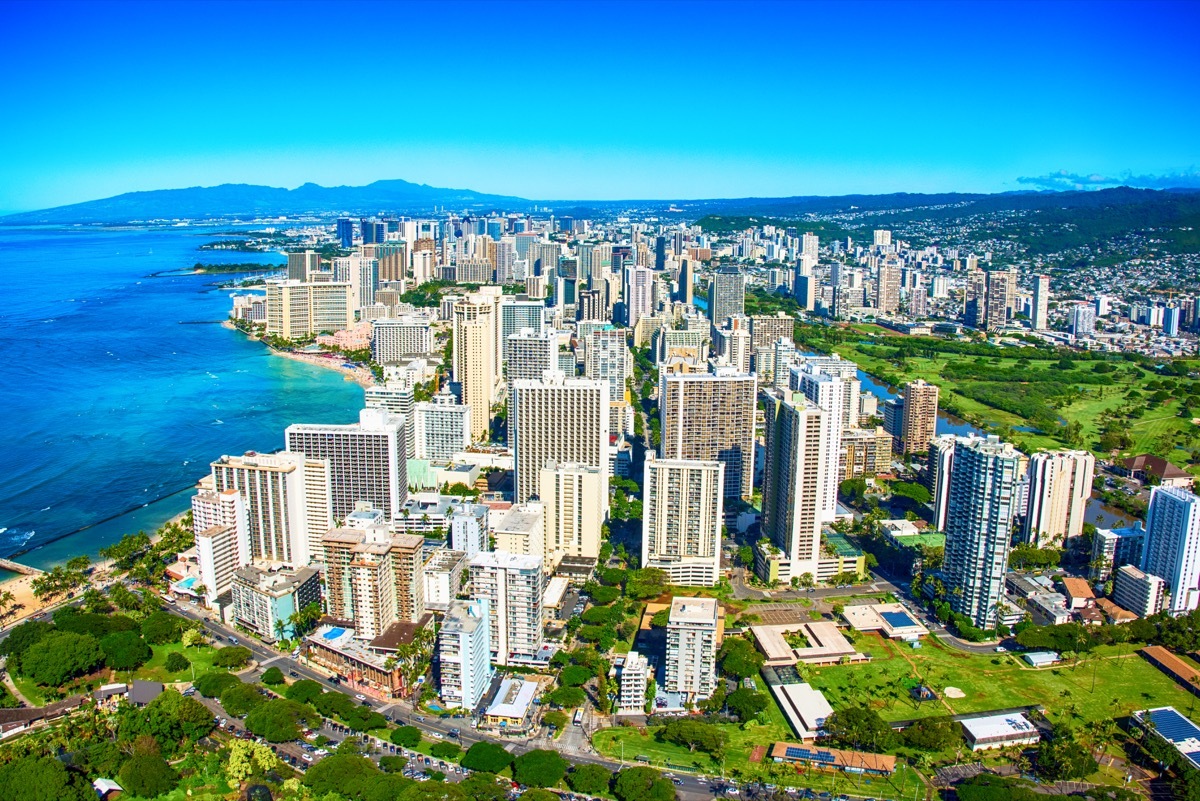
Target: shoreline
(360, 375)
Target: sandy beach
(361, 375)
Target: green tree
(211, 685)
(273, 677)
(695, 735)
(177, 662)
(858, 727)
(240, 699)
(574, 676)
(486, 757)
(482, 786)
(60, 656)
(567, 697)
(406, 736)
(589, 779)
(34, 778)
(445, 750)
(341, 775)
(1062, 758)
(148, 776)
(539, 768)
(248, 759)
(739, 658)
(646, 583)
(642, 784)
(746, 703)
(125, 650)
(556, 719)
(278, 720)
(161, 628)
(937, 733)
(305, 691)
(233, 656)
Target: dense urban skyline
(680, 101)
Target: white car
(306, 757)
(360, 697)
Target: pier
(17, 567)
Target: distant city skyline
(597, 101)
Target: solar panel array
(897, 619)
(1173, 726)
(811, 754)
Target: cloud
(1067, 181)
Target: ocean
(118, 388)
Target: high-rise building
(767, 329)
(517, 314)
(474, 348)
(396, 339)
(513, 586)
(222, 534)
(298, 310)
(710, 416)
(1040, 319)
(1001, 298)
(919, 422)
(1081, 320)
(691, 656)
(367, 460)
(287, 502)
(882, 238)
(442, 428)
(887, 287)
(982, 495)
(373, 578)
(572, 497)
(345, 232)
(396, 398)
(469, 528)
(634, 681)
(834, 365)
(975, 299)
(465, 654)
(1172, 549)
(529, 354)
(726, 295)
(827, 392)
(733, 344)
(557, 419)
(637, 293)
(791, 487)
(1060, 484)
(1141, 593)
(362, 274)
(302, 265)
(1170, 322)
(682, 516)
(607, 359)
(805, 291)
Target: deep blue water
(118, 389)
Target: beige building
(476, 366)
(558, 419)
(866, 452)
(521, 530)
(297, 310)
(919, 423)
(1060, 484)
(791, 488)
(573, 508)
(514, 586)
(373, 579)
(710, 416)
(682, 516)
(887, 287)
(691, 657)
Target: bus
(578, 721)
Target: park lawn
(997, 681)
(201, 657)
(29, 688)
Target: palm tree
(279, 627)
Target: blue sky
(596, 101)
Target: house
(1145, 466)
(107, 789)
(143, 692)
(1114, 613)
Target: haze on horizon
(597, 101)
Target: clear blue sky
(610, 100)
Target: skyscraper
(919, 423)
(465, 654)
(1040, 319)
(710, 416)
(529, 354)
(726, 295)
(982, 495)
(682, 516)
(637, 293)
(975, 299)
(557, 419)
(296, 310)
(442, 428)
(691, 658)
(607, 359)
(345, 232)
(1001, 298)
(887, 287)
(301, 265)
(572, 497)
(827, 392)
(791, 486)
(474, 352)
(367, 460)
(513, 586)
(1060, 483)
(1172, 549)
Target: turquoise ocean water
(117, 389)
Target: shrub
(177, 662)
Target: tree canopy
(739, 658)
(148, 776)
(642, 784)
(240, 699)
(278, 720)
(590, 779)
(539, 768)
(60, 656)
(406, 736)
(696, 735)
(486, 756)
(33, 778)
(125, 650)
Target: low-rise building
(999, 731)
(831, 759)
(1168, 724)
(1139, 592)
(266, 599)
(364, 665)
(511, 709)
(1048, 609)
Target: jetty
(17, 567)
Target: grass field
(1124, 682)
(1146, 431)
(201, 658)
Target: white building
(682, 515)
(634, 680)
(469, 529)
(557, 419)
(1060, 484)
(222, 533)
(464, 654)
(691, 656)
(514, 586)
(521, 530)
(396, 398)
(443, 577)
(1172, 548)
(366, 460)
(1140, 593)
(400, 338)
(442, 428)
(791, 487)
(530, 353)
(828, 392)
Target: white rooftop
(693, 610)
(504, 559)
(513, 699)
(993, 726)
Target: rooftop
(990, 727)
(693, 610)
(1175, 729)
(504, 559)
(513, 699)
(805, 708)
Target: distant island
(239, 267)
